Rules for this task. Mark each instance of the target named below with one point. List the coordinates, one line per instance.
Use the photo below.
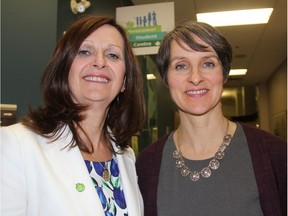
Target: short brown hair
(184, 33)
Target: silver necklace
(106, 173)
(213, 164)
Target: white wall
(272, 98)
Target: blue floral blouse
(110, 192)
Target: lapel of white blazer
(126, 163)
(70, 166)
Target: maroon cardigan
(269, 159)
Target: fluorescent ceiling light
(237, 17)
(150, 76)
(237, 72)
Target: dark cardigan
(269, 159)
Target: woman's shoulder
(153, 150)
(14, 139)
(260, 139)
(19, 134)
(259, 133)
(17, 130)
(157, 145)
(128, 152)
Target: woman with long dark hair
(72, 156)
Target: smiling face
(195, 79)
(98, 70)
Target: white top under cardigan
(39, 178)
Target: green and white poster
(146, 25)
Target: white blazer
(39, 178)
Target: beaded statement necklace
(213, 164)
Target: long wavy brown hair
(126, 113)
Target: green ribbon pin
(80, 187)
